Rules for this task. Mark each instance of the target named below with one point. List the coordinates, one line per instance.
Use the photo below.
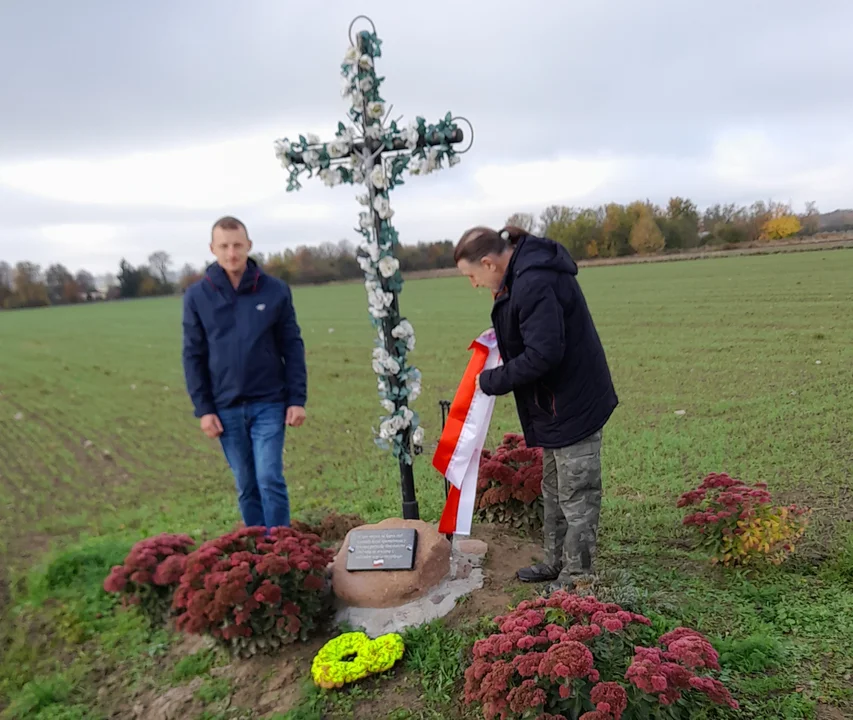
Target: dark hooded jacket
(553, 360)
(242, 345)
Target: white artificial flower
(454, 160)
(365, 84)
(312, 139)
(408, 416)
(358, 175)
(388, 266)
(403, 330)
(370, 285)
(346, 88)
(378, 313)
(352, 55)
(416, 166)
(390, 427)
(330, 177)
(366, 265)
(372, 249)
(375, 110)
(338, 148)
(358, 101)
(383, 207)
(366, 62)
(388, 405)
(418, 437)
(311, 158)
(282, 147)
(363, 199)
(414, 390)
(365, 221)
(432, 154)
(412, 135)
(347, 135)
(373, 132)
(377, 177)
(381, 385)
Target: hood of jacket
(535, 253)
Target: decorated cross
(375, 152)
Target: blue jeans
(253, 443)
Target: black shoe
(538, 574)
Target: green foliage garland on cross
(377, 153)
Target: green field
(97, 436)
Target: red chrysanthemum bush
(739, 523)
(567, 657)
(151, 573)
(510, 484)
(255, 592)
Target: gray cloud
(671, 89)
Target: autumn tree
(781, 227)
(29, 290)
(615, 231)
(646, 237)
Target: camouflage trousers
(571, 490)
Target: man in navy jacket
(244, 364)
(555, 366)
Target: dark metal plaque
(392, 549)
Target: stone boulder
(391, 588)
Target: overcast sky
(128, 127)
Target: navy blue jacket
(553, 360)
(244, 345)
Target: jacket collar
(217, 277)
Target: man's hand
(211, 426)
(295, 416)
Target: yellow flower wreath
(367, 657)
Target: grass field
(97, 438)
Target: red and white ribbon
(457, 456)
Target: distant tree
(781, 227)
(56, 279)
(7, 276)
(616, 230)
(85, 282)
(129, 280)
(159, 263)
(810, 220)
(526, 221)
(29, 290)
(187, 277)
(148, 284)
(646, 237)
(555, 218)
(680, 224)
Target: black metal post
(445, 411)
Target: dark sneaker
(538, 573)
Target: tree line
(605, 231)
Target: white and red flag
(457, 456)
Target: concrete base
(466, 576)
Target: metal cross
(376, 152)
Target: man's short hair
(229, 223)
